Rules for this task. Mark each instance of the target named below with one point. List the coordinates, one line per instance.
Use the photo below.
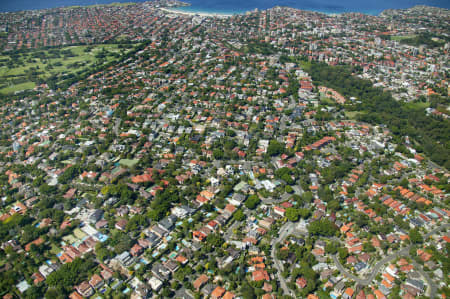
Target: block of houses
(121, 224)
(301, 282)
(85, 289)
(136, 250)
(200, 282)
(348, 294)
(279, 211)
(218, 293)
(155, 283)
(96, 281)
(260, 275)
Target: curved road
(379, 264)
(446, 225)
(432, 286)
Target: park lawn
(5, 72)
(327, 101)
(402, 37)
(80, 56)
(351, 114)
(417, 105)
(128, 162)
(18, 87)
(85, 60)
(55, 249)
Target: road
(443, 226)
(117, 126)
(432, 286)
(229, 231)
(401, 252)
(285, 230)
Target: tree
(283, 253)
(304, 213)
(288, 189)
(252, 201)
(368, 247)
(287, 178)
(331, 247)
(334, 205)
(121, 242)
(404, 183)
(47, 190)
(103, 254)
(275, 148)
(247, 291)
(323, 227)
(56, 293)
(218, 154)
(167, 293)
(380, 107)
(71, 273)
(343, 253)
(239, 215)
(307, 196)
(69, 174)
(136, 222)
(215, 240)
(415, 236)
(292, 214)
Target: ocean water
(239, 6)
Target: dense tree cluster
(323, 227)
(380, 107)
(252, 201)
(71, 274)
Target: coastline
(196, 7)
(179, 11)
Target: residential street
(376, 268)
(285, 230)
(152, 149)
(379, 265)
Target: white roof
(155, 283)
(23, 286)
(88, 229)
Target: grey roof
(158, 230)
(418, 284)
(166, 224)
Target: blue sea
(373, 7)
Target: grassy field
(401, 37)
(54, 250)
(418, 105)
(17, 87)
(128, 163)
(326, 100)
(20, 71)
(351, 114)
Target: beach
(193, 13)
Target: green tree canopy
(292, 214)
(415, 236)
(252, 201)
(323, 227)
